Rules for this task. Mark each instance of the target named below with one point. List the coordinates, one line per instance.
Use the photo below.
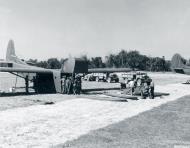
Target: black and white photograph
(94, 74)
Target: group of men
(71, 85)
(143, 85)
(148, 89)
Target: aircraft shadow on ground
(92, 94)
(99, 89)
(7, 94)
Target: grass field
(166, 126)
(94, 120)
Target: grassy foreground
(166, 126)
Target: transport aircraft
(178, 65)
(47, 80)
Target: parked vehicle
(95, 77)
(138, 84)
(89, 77)
(112, 78)
(139, 77)
(100, 77)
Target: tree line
(124, 59)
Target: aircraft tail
(10, 55)
(178, 61)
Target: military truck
(141, 84)
(125, 78)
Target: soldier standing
(132, 86)
(67, 85)
(63, 85)
(145, 91)
(77, 85)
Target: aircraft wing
(25, 70)
(185, 70)
(108, 70)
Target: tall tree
(53, 63)
(96, 62)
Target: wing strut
(16, 82)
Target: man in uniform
(63, 85)
(77, 85)
(68, 85)
(145, 91)
(132, 86)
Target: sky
(43, 29)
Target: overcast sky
(58, 28)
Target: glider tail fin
(178, 61)
(10, 55)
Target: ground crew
(63, 85)
(69, 85)
(145, 91)
(132, 86)
(77, 85)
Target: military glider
(47, 80)
(178, 65)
